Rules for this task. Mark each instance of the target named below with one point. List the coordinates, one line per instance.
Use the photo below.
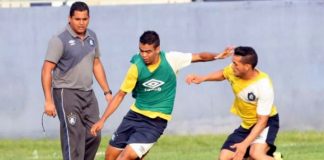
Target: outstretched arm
(207, 56)
(113, 105)
(214, 76)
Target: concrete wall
(288, 36)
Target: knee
(110, 156)
(256, 155)
(225, 154)
(223, 157)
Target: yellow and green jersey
(154, 86)
(252, 97)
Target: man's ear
(248, 66)
(158, 49)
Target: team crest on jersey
(251, 96)
(91, 42)
(153, 85)
(72, 42)
(72, 119)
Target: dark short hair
(79, 6)
(249, 56)
(150, 37)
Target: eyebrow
(81, 18)
(144, 50)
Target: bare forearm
(207, 56)
(256, 131)
(100, 76)
(203, 57)
(214, 76)
(113, 105)
(47, 83)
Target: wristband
(108, 92)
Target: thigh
(121, 136)
(147, 133)
(260, 148)
(226, 154)
(237, 136)
(147, 130)
(67, 106)
(90, 109)
(128, 153)
(269, 134)
(71, 126)
(273, 124)
(112, 153)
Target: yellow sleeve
(228, 71)
(130, 80)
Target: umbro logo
(153, 84)
(72, 42)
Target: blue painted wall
(288, 36)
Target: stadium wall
(288, 36)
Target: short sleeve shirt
(252, 97)
(177, 61)
(73, 58)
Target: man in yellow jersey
(152, 80)
(253, 103)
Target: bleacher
(58, 3)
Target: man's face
(149, 54)
(79, 22)
(239, 68)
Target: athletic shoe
(277, 156)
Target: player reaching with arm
(253, 103)
(152, 80)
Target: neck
(81, 35)
(157, 59)
(250, 75)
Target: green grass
(294, 145)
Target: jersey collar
(70, 30)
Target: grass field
(294, 146)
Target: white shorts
(141, 148)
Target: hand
(96, 127)
(192, 78)
(50, 109)
(226, 53)
(240, 151)
(108, 97)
